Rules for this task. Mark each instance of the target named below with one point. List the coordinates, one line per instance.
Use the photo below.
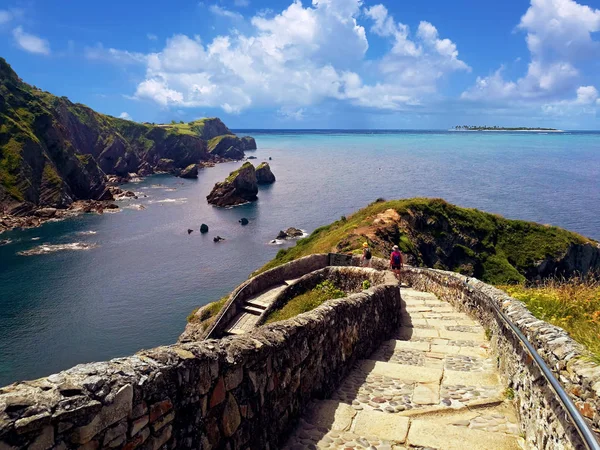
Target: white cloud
(152, 37)
(297, 58)
(5, 16)
(30, 42)
(587, 95)
(559, 38)
(223, 12)
(242, 3)
(125, 115)
(113, 55)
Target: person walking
(367, 255)
(396, 261)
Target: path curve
(435, 386)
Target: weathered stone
(218, 394)
(32, 423)
(115, 432)
(158, 441)
(231, 416)
(163, 421)
(138, 439)
(109, 414)
(159, 409)
(139, 410)
(234, 377)
(138, 424)
(44, 440)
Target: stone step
(253, 309)
(256, 304)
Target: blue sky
(316, 63)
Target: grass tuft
(306, 302)
(573, 305)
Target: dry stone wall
(543, 418)
(235, 393)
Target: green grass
(573, 305)
(499, 250)
(235, 173)
(209, 313)
(306, 302)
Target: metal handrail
(583, 429)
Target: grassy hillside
(434, 233)
(53, 151)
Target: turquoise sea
(143, 273)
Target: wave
(35, 238)
(5, 242)
(177, 201)
(276, 242)
(45, 249)
(86, 233)
(136, 206)
(170, 189)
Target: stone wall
(235, 393)
(348, 279)
(270, 278)
(543, 418)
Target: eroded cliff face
(240, 187)
(54, 152)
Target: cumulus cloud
(297, 58)
(125, 115)
(559, 39)
(31, 43)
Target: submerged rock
(244, 221)
(264, 174)
(239, 187)
(190, 231)
(190, 171)
(218, 239)
(203, 228)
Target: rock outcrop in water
(238, 188)
(190, 171)
(54, 152)
(264, 174)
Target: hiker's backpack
(368, 254)
(396, 257)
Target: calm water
(135, 289)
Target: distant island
(496, 128)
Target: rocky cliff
(54, 152)
(434, 233)
(264, 174)
(239, 187)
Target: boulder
(203, 228)
(46, 212)
(218, 239)
(233, 153)
(248, 143)
(251, 157)
(264, 174)
(165, 165)
(244, 221)
(190, 171)
(239, 187)
(190, 231)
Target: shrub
(366, 285)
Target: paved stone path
(245, 321)
(433, 387)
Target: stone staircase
(433, 387)
(254, 307)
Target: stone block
(231, 416)
(234, 377)
(32, 423)
(164, 420)
(426, 394)
(159, 409)
(120, 408)
(331, 414)
(139, 410)
(390, 427)
(44, 440)
(137, 440)
(115, 432)
(218, 393)
(138, 424)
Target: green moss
(84, 159)
(208, 314)
(306, 302)
(212, 144)
(51, 176)
(10, 166)
(235, 173)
